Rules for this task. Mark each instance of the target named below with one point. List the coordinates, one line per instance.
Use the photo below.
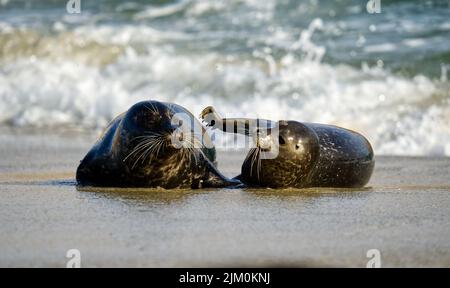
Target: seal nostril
(281, 140)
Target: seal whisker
(258, 166)
(256, 161)
(248, 156)
(251, 161)
(146, 136)
(150, 136)
(157, 146)
(155, 108)
(149, 151)
(142, 152)
(254, 153)
(190, 149)
(143, 146)
(139, 146)
(160, 146)
(152, 108)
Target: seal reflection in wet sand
(308, 154)
(141, 148)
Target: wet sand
(404, 213)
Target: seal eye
(297, 146)
(281, 140)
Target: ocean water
(383, 74)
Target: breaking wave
(85, 75)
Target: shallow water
(319, 61)
(223, 227)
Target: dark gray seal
(309, 154)
(137, 150)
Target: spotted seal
(308, 154)
(138, 149)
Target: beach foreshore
(404, 213)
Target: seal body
(307, 154)
(312, 155)
(346, 158)
(137, 149)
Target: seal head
(297, 148)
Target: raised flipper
(244, 126)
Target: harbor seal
(138, 149)
(308, 154)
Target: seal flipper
(219, 181)
(244, 126)
(238, 178)
(215, 179)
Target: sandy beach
(403, 213)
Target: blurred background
(383, 74)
